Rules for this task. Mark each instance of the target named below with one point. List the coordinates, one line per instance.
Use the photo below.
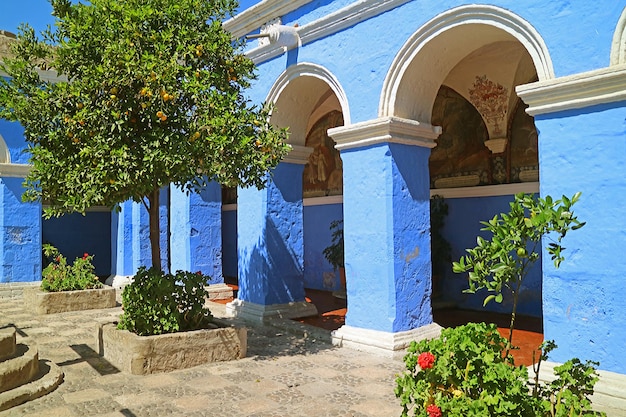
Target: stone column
(20, 228)
(386, 233)
(271, 246)
(196, 235)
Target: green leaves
(155, 96)
(504, 260)
(157, 303)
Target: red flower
(426, 360)
(85, 255)
(198, 272)
(433, 411)
(57, 259)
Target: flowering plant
(59, 276)
(467, 371)
(463, 373)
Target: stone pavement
(290, 370)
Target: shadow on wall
(273, 273)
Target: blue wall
(318, 273)
(75, 234)
(585, 150)
(462, 226)
(20, 234)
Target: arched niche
(426, 59)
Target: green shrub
(467, 372)
(157, 303)
(59, 276)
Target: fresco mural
(461, 159)
(523, 147)
(323, 173)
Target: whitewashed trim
(602, 86)
(500, 18)
(306, 202)
(487, 190)
(327, 25)
(385, 129)
(298, 155)
(259, 14)
(5, 155)
(308, 69)
(382, 343)
(322, 201)
(15, 170)
(618, 47)
(258, 312)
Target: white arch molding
(5, 156)
(295, 93)
(420, 67)
(618, 47)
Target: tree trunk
(155, 229)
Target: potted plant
(166, 326)
(440, 250)
(335, 256)
(66, 287)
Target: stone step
(46, 380)
(19, 369)
(7, 343)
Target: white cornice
(325, 26)
(298, 155)
(253, 18)
(487, 190)
(606, 85)
(14, 170)
(385, 129)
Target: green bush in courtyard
(157, 302)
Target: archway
(460, 71)
(306, 99)
(309, 100)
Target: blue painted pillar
(130, 239)
(386, 232)
(271, 245)
(196, 231)
(20, 233)
(196, 235)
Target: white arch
(298, 90)
(5, 155)
(494, 22)
(618, 47)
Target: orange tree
(149, 93)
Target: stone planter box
(142, 355)
(43, 302)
